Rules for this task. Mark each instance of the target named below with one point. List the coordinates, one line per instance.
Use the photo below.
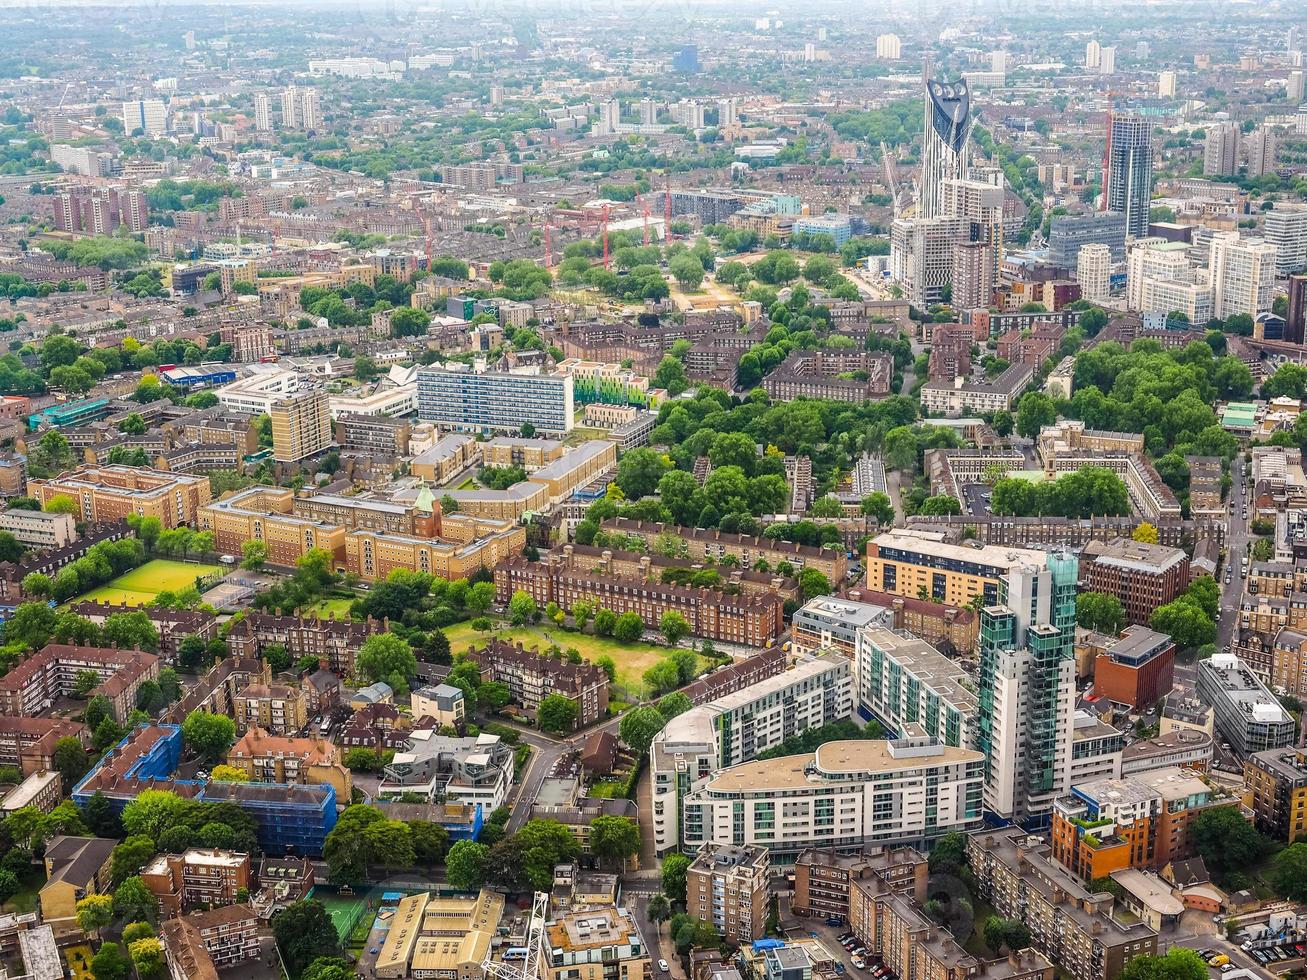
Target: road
(1236, 544)
(546, 751)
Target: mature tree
(673, 704)
(480, 597)
(673, 626)
(304, 932)
(31, 624)
(209, 735)
(430, 842)
(386, 657)
(1035, 411)
(329, 968)
(522, 608)
(94, 912)
(659, 910)
(638, 728)
(1100, 611)
(639, 471)
(133, 854)
(347, 849)
(605, 622)
(253, 555)
(1145, 533)
(1185, 622)
(134, 902)
(948, 853)
(628, 628)
(1011, 934)
(110, 963)
(813, 583)
(1226, 841)
(465, 865)
(153, 811)
(879, 506)
(557, 713)
(147, 956)
(1178, 963)
(614, 839)
(675, 874)
(940, 504)
(70, 761)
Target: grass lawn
(78, 959)
(608, 789)
(27, 897)
(632, 659)
(340, 607)
(468, 484)
(141, 585)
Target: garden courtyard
(141, 585)
(632, 659)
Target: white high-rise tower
(948, 132)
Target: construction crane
(643, 202)
(890, 178)
(534, 944)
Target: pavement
(1237, 537)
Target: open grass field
(340, 607)
(632, 659)
(140, 585)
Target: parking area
(836, 938)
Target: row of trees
(525, 860)
(364, 841)
(1093, 490)
(103, 561)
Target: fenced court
(345, 910)
(141, 585)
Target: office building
(948, 123)
(889, 47)
(1286, 229)
(1130, 171)
(1166, 85)
(1242, 272)
(727, 885)
(1140, 821)
(106, 494)
(844, 796)
(1277, 782)
(1094, 272)
(735, 727)
(1069, 233)
(1135, 669)
(1246, 714)
(1221, 150)
(495, 401)
(1262, 146)
(918, 563)
(301, 426)
(149, 116)
(262, 113)
(911, 688)
(1143, 576)
(1068, 923)
(1027, 689)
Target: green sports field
(141, 585)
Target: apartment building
(833, 623)
(301, 426)
(41, 790)
(702, 543)
(552, 483)
(1070, 925)
(101, 210)
(360, 433)
(532, 677)
(1245, 713)
(835, 374)
(256, 393)
(729, 886)
(39, 529)
(595, 944)
(656, 567)
(923, 564)
(333, 641)
(34, 685)
(713, 614)
(844, 796)
(1286, 229)
(495, 400)
(960, 396)
(447, 769)
(1242, 273)
(738, 725)
(470, 545)
(913, 689)
(279, 709)
(1277, 782)
(445, 458)
(824, 879)
(268, 758)
(106, 494)
(28, 743)
(197, 945)
(442, 703)
(74, 868)
(530, 454)
(1137, 821)
(196, 878)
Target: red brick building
(1142, 576)
(1136, 670)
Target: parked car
(662, 965)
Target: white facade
(1161, 279)
(255, 394)
(1093, 54)
(888, 47)
(1221, 150)
(843, 796)
(734, 728)
(1166, 85)
(262, 113)
(1094, 271)
(147, 115)
(1242, 274)
(1107, 61)
(1286, 229)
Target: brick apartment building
(706, 543)
(198, 878)
(823, 879)
(532, 677)
(35, 684)
(749, 621)
(727, 885)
